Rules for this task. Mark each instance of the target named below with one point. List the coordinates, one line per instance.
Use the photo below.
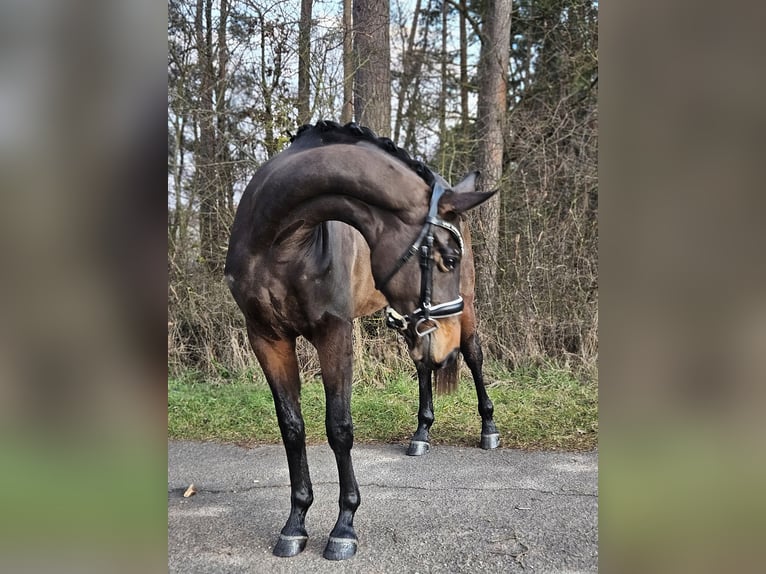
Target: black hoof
(340, 548)
(489, 441)
(290, 545)
(418, 447)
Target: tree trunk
(443, 91)
(267, 114)
(347, 113)
(304, 62)
(372, 77)
(463, 66)
(224, 188)
(408, 72)
(414, 99)
(493, 89)
(206, 145)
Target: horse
(325, 232)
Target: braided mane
(330, 132)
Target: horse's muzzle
(439, 346)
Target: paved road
(452, 510)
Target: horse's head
(423, 285)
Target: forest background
(508, 88)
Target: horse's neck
(357, 185)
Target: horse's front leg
(335, 350)
(419, 444)
(470, 347)
(280, 365)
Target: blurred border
(683, 307)
(83, 294)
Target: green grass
(542, 408)
(80, 494)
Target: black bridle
(424, 245)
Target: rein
(423, 244)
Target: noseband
(424, 246)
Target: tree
(414, 96)
(212, 172)
(409, 70)
(443, 56)
(181, 72)
(233, 91)
(372, 56)
(347, 111)
(492, 101)
(304, 61)
(462, 10)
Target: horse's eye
(450, 262)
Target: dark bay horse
(296, 268)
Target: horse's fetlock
(351, 501)
(303, 497)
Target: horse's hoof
(489, 441)
(340, 548)
(418, 447)
(290, 545)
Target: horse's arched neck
(369, 220)
(356, 185)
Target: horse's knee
(471, 349)
(340, 435)
(293, 431)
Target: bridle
(423, 244)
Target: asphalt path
(452, 510)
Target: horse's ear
(452, 202)
(467, 184)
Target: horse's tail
(446, 378)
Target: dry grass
(546, 301)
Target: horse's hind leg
(335, 350)
(279, 363)
(470, 347)
(419, 444)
